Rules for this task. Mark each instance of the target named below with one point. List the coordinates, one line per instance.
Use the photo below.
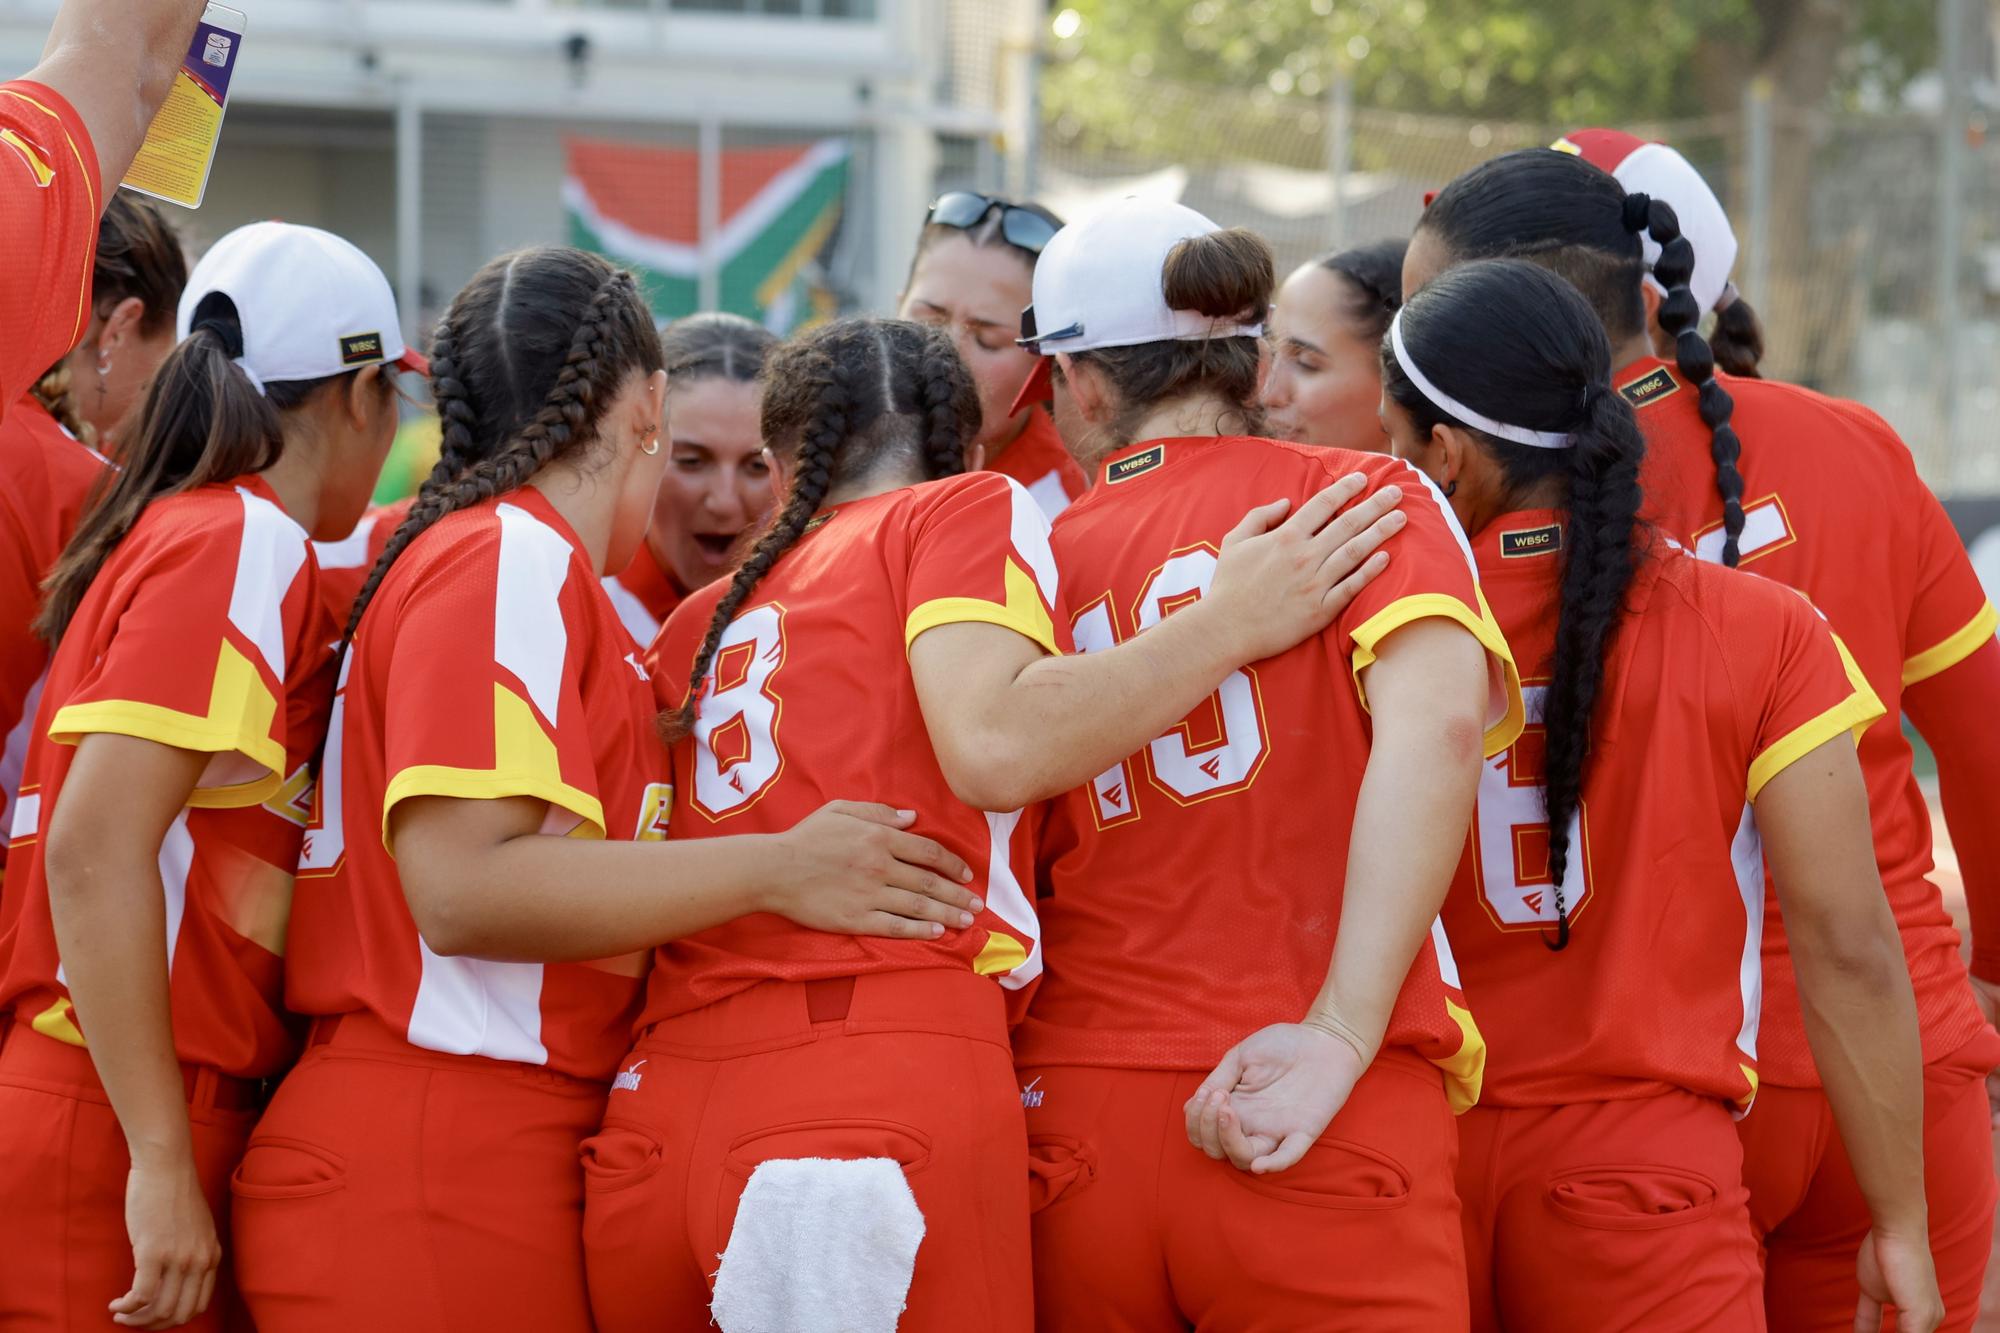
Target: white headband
(1538, 439)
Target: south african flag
(780, 207)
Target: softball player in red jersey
(970, 275)
(142, 935)
(717, 484)
(472, 909)
(1601, 1174)
(1941, 689)
(1327, 326)
(49, 474)
(1249, 798)
(1798, 477)
(45, 451)
(762, 1042)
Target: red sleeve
(1797, 686)
(981, 553)
(1430, 574)
(1950, 617)
(49, 207)
(1954, 710)
(206, 624)
(483, 694)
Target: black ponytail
(1738, 336)
(1679, 315)
(846, 399)
(1518, 344)
(1571, 217)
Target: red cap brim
(1039, 388)
(412, 359)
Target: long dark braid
(1597, 568)
(1679, 314)
(1569, 216)
(495, 346)
(1518, 344)
(844, 399)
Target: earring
(1451, 488)
(649, 444)
(103, 369)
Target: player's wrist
(1328, 1021)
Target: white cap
(1100, 282)
(310, 304)
(1655, 169)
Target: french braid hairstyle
(1567, 215)
(523, 364)
(849, 401)
(1518, 344)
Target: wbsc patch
(1531, 541)
(1655, 384)
(356, 348)
(1144, 461)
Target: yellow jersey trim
(1942, 657)
(1023, 612)
(1407, 610)
(1852, 714)
(58, 1021)
(241, 710)
(1465, 1068)
(1000, 954)
(525, 763)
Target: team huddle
(1127, 795)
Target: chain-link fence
(1847, 279)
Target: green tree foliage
(1555, 62)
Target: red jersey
(49, 206)
(489, 664)
(344, 565)
(49, 475)
(202, 631)
(1716, 682)
(1038, 460)
(1192, 891)
(1833, 506)
(644, 594)
(810, 700)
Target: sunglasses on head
(1019, 226)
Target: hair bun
(1226, 274)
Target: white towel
(820, 1246)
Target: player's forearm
(518, 901)
(114, 61)
(1954, 711)
(1067, 719)
(1854, 986)
(1410, 822)
(109, 911)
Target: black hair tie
(227, 332)
(1637, 210)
